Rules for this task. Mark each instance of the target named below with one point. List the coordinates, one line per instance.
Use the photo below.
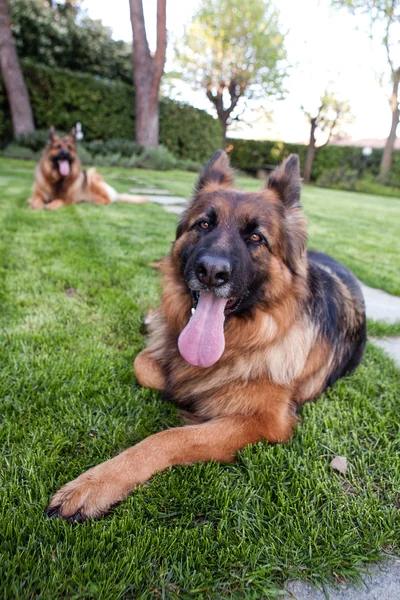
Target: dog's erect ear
(218, 171)
(51, 133)
(72, 133)
(285, 180)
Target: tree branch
(140, 43)
(161, 49)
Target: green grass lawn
(74, 287)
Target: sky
(326, 47)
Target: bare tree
(148, 70)
(17, 93)
(327, 120)
(233, 50)
(385, 14)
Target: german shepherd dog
(60, 179)
(272, 326)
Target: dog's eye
(204, 224)
(69, 147)
(58, 147)
(256, 238)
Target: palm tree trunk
(310, 153)
(17, 93)
(387, 156)
(148, 71)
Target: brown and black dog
(60, 179)
(272, 325)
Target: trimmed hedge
(106, 109)
(251, 155)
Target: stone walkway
(382, 582)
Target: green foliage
(35, 141)
(122, 146)
(61, 98)
(343, 179)
(106, 109)
(188, 132)
(250, 155)
(340, 179)
(234, 47)
(62, 37)
(14, 150)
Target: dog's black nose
(213, 271)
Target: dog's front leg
(93, 493)
(148, 371)
(36, 202)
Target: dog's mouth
(202, 341)
(64, 167)
(230, 308)
(63, 162)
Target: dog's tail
(132, 198)
(95, 180)
(116, 197)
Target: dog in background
(60, 179)
(251, 325)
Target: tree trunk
(386, 162)
(224, 127)
(310, 153)
(148, 71)
(17, 94)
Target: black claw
(76, 518)
(51, 512)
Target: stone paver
(174, 209)
(391, 345)
(166, 200)
(381, 306)
(153, 191)
(381, 583)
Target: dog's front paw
(54, 205)
(91, 495)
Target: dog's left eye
(204, 224)
(256, 238)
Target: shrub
(340, 179)
(15, 151)
(160, 159)
(35, 141)
(106, 110)
(188, 132)
(122, 146)
(250, 155)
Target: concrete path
(381, 583)
(380, 305)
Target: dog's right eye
(203, 225)
(58, 147)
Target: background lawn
(74, 287)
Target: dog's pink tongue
(63, 166)
(202, 342)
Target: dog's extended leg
(36, 202)
(55, 204)
(93, 493)
(148, 372)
